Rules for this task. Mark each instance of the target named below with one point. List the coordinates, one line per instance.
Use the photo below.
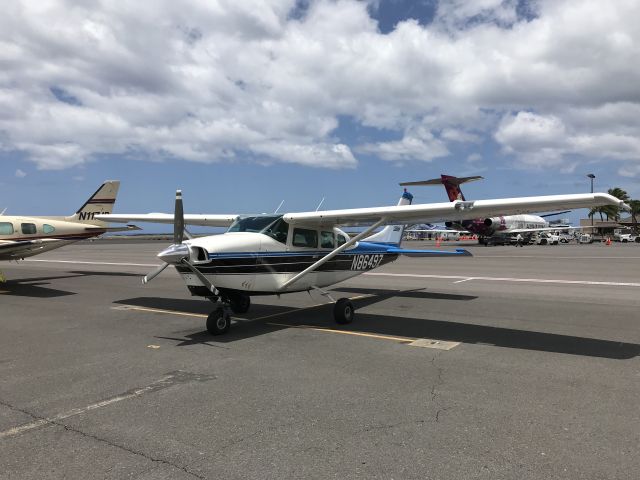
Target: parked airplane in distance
(22, 236)
(490, 230)
(293, 252)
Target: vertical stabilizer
(99, 203)
(392, 234)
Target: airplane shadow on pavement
(37, 287)
(264, 319)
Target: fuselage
(502, 225)
(258, 263)
(43, 234)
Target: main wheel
(240, 303)
(218, 322)
(343, 311)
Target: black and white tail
(99, 203)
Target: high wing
(458, 210)
(203, 220)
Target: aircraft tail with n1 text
(100, 203)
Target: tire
(218, 322)
(240, 303)
(343, 311)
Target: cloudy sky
(246, 103)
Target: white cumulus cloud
(220, 81)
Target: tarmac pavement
(515, 363)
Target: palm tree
(612, 211)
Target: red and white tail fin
(392, 234)
(451, 185)
(101, 202)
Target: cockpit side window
(278, 230)
(305, 238)
(6, 228)
(46, 228)
(341, 240)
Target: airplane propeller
(178, 253)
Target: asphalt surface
(518, 363)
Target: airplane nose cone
(174, 254)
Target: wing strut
(333, 253)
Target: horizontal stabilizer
(440, 181)
(459, 252)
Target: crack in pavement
(169, 380)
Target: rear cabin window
(48, 228)
(29, 228)
(6, 228)
(305, 238)
(326, 240)
(341, 239)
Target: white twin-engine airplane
(292, 252)
(490, 229)
(22, 237)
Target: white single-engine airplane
(275, 254)
(490, 230)
(22, 237)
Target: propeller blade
(150, 276)
(200, 276)
(178, 220)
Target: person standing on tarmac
(519, 240)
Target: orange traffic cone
(608, 240)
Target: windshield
(253, 224)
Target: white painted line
(169, 380)
(509, 279)
(464, 280)
(430, 343)
(78, 262)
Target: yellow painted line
(159, 310)
(346, 332)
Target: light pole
(591, 176)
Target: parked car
(625, 237)
(545, 238)
(585, 238)
(565, 237)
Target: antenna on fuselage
(320, 204)
(3, 211)
(279, 206)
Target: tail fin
(392, 234)
(99, 203)
(451, 185)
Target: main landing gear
(219, 321)
(343, 311)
